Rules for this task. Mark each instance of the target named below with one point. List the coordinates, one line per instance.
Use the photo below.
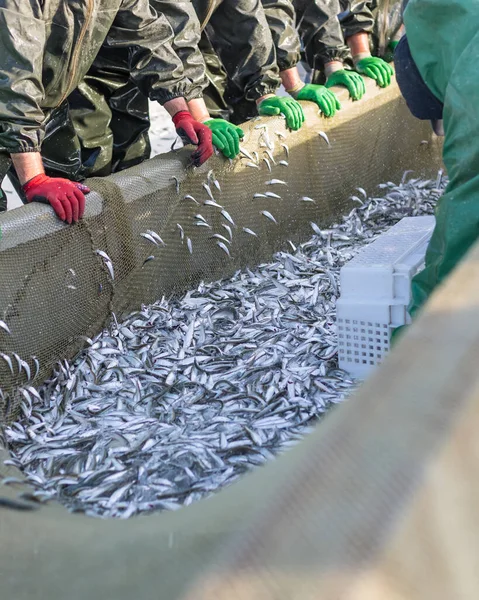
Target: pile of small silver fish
(185, 395)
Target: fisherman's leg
(90, 115)
(130, 125)
(214, 94)
(61, 149)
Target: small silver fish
(170, 379)
(286, 149)
(19, 362)
(260, 195)
(250, 231)
(308, 199)
(8, 360)
(150, 238)
(362, 191)
(228, 217)
(148, 259)
(228, 229)
(218, 236)
(211, 176)
(190, 197)
(5, 327)
(189, 245)
(265, 138)
(252, 164)
(315, 228)
(182, 233)
(270, 156)
(212, 203)
(267, 164)
(108, 263)
(356, 199)
(208, 191)
(276, 182)
(269, 216)
(246, 153)
(200, 218)
(177, 183)
(324, 136)
(272, 195)
(283, 163)
(26, 368)
(224, 248)
(155, 236)
(37, 366)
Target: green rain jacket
(48, 46)
(443, 37)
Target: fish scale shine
(185, 395)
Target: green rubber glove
(326, 100)
(226, 136)
(389, 54)
(377, 69)
(288, 107)
(350, 80)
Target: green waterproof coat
(443, 37)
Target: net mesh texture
(55, 288)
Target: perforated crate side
(363, 337)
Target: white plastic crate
(375, 293)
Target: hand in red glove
(67, 198)
(194, 132)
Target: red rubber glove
(67, 198)
(194, 132)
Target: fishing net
(55, 289)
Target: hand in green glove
(377, 69)
(288, 107)
(325, 99)
(350, 80)
(226, 136)
(389, 54)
